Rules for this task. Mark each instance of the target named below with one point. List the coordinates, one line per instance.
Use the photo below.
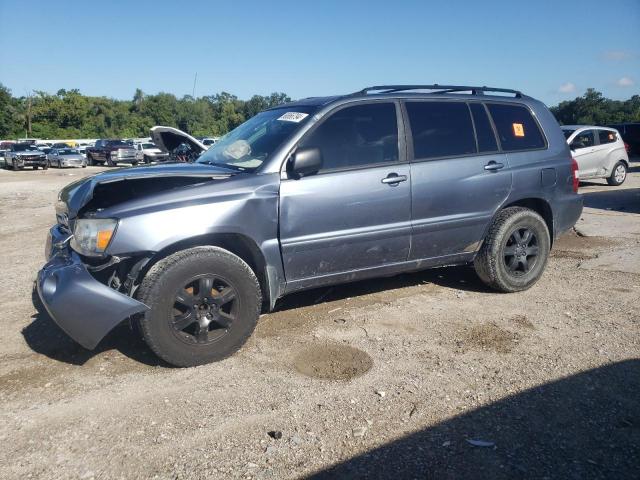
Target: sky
(552, 50)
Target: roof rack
(439, 88)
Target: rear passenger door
(458, 176)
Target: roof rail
(439, 88)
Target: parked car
(181, 147)
(22, 155)
(630, 133)
(66, 157)
(82, 150)
(148, 152)
(312, 193)
(599, 151)
(111, 152)
(61, 145)
(208, 141)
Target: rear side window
(607, 136)
(440, 129)
(357, 136)
(516, 127)
(484, 132)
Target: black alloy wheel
(204, 309)
(521, 251)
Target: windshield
(24, 147)
(148, 145)
(567, 133)
(248, 146)
(67, 151)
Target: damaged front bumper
(82, 306)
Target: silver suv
(599, 151)
(317, 192)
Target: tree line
(70, 114)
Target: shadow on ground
(459, 277)
(616, 199)
(45, 337)
(584, 426)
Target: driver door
(586, 154)
(354, 215)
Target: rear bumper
(82, 306)
(568, 210)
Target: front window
(247, 147)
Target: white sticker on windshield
(295, 117)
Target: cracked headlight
(91, 236)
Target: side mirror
(306, 161)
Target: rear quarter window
(607, 136)
(517, 129)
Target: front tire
(204, 302)
(515, 251)
(618, 174)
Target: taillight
(627, 147)
(574, 174)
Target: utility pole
(28, 115)
(193, 92)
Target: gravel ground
(420, 375)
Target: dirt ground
(427, 375)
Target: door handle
(493, 166)
(394, 179)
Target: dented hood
(76, 195)
(168, 139)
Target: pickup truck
(111, 152)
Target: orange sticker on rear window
(518, 130)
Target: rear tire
(515, 251)
(35, 167)
(192, 322)
(110, 162)
(618, 174)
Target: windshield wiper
(227, 166)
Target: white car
(149, 152)
(599, 151)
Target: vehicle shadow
(458, 277)
(583, 426)
(45, 337)
(619, 200)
